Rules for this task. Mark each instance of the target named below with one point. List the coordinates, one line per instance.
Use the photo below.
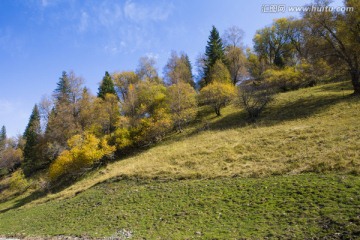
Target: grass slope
(299, 206)
(310, 130)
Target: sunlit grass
(310, 130)
(302, 206)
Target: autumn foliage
(84, 150)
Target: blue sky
(41, 38)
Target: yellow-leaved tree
(84, 150)
(217, 95)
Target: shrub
(84, 151)
(254, 97)
(10, 158)
(152, 128)
(18, 181)
(217, 95)
(284, 79)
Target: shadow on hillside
(21, 202)
(233, 120)
(302, 108)
(276, 113)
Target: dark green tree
(63, 90)
(32, 136)
(106, 86)
(2, 137)
(214, 51)
(3, 133)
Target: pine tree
(214, 51)
(32, 137)
(106, 86)
(3, 133)
(63, 91)
(2, 138)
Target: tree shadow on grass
(277, 113)
(302, 108)
(21, 202)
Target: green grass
(299, 206)
(293, 174)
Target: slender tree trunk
(355, 75)
(217, 111)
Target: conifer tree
(3, 133)
(214, 51)
(62, 91)
(32, 136)
(106, 86)
(2, 137)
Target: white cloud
(152, 55)
(44, 3)
(111, 48)
(47, 3)
(84, 22)
(138, 13)
(108, 14)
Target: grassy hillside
(241, 179)
(299, 206)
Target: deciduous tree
(341, 34)
(217, 95)
(182, 104)
(178, 69)
(219, 73)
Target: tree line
(74, 129)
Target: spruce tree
(62, 91)
(106, 86)
(3, 133)
(2, 138)
(32, 137)
(214, 51)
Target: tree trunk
(217, 111)
(355, 75)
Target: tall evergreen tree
(3, 133)
(106, 86)
(32, 136)
(214, 51)
(63, 91)
(2, 137)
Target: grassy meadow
(292, 174)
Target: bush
(84, 151)
(284, 79)
(254, 97)
(18, 181)
(152, 128)
(217, 95)
(10, 158)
